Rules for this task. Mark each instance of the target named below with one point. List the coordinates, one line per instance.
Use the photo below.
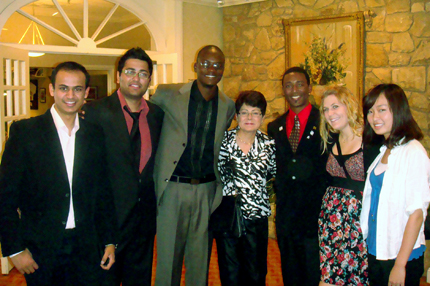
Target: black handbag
(237, 226)
(228, 217)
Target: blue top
(376, 182)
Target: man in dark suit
(300, 182)
(55, 204)
(188, 187)
(131, 126)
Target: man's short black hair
(296, 70)
(70, 66)
(138, 54)
(209, 47)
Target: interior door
(14, 88)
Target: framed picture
(344, 32)
(92, 95)
(34, 89)
(42, 95)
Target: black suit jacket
(301, 178)
(134, 194)
(33, 178)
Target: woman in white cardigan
(396, 193)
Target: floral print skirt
(343, 254)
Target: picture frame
(92, 94)
(34, 94)
(335, 29)
(42, 95)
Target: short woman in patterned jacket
(246, 161)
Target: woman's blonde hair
(353, 109)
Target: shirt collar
(143, 105)
(59, 123)
(304, 112)
(197, 95)
(303, 115)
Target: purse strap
(341, 159)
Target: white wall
(202, 25)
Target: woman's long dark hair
(404, 125)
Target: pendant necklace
(237, 136)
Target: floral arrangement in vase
(324, 66)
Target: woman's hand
(397, 276)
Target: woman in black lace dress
(343, 256)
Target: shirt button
(64, 223)
(140, 181)
(67, 195)
(166, 180)
(293, 177)
(183, 144)
(174, 162)
(138, 199)
(294, 160)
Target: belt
(193, 181)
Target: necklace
(247, 143)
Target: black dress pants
(379, 271)
(243, 261)
(74, 264)
(299, 259)
(133, 264)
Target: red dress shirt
(145, 135)
(303, 119)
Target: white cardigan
(405, 188)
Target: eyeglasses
(207, 64)
(132, 73)
(254, 114)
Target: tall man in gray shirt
(187, 183)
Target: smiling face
(209, 67)
(335, 113)
(69, 92)
(380, 117)
(133, 86)
(296, 91)
(249, 118)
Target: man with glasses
(187, 183)
(132, 128)
(55, 206)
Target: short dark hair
(135, 53)
(209, 47)
(252, 98)
(70, 66)
(296, 70)
(404, 125)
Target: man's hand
(108, 256)
(24, 262)
(81, 113)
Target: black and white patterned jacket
(248, 173)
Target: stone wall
(397, 48)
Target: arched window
(75, 25)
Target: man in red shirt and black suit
(300, 182)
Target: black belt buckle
(194, 181)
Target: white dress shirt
(68, 147)
(405, 189)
